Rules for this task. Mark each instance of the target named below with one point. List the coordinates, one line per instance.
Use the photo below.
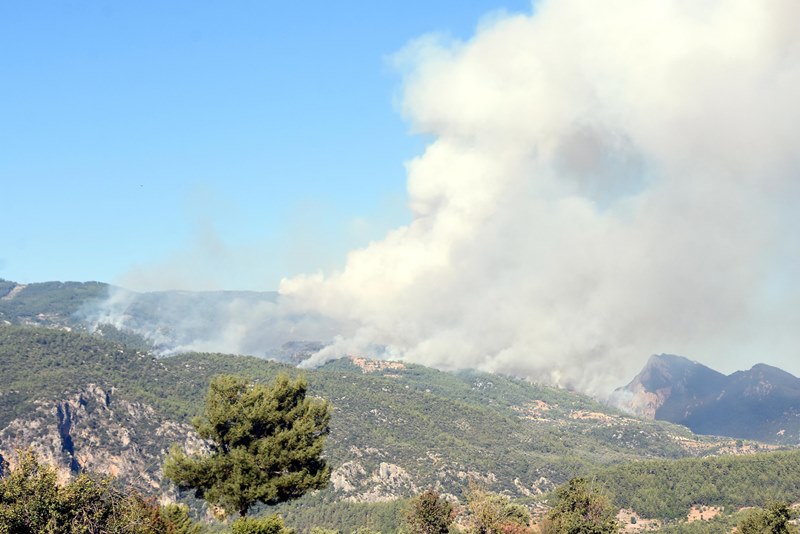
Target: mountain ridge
(761, 403)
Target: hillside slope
(90, 403)
(164, 321)
(53, 304)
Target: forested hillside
(667, 489)
(90, 403)
(403, 411)
(48, 303)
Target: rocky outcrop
(373, 475)
(385, 483)
(94, 430)
(345, 478)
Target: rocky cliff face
(762, 403)
(93, 430)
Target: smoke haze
(240, 322)
(606, 180)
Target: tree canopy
(774, 519)
(429, 513)
(581, 508)
(33, 502)
(492, 513)
(265, 444)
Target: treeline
(344, 516)
(668, 489)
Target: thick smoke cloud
(606, 180)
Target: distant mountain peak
(770, 370)
(760, 403)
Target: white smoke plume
(238, 322)
(606, 180)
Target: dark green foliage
(272, 524)
(717, 525)
(668, 489)
(266, 445)
(429, 513)
(178, 516)
(29, 498)
(581, 507)
(774, 519)
(32, 502)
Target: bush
(32, 502)
(429, 513)
(581, 507)
(491, 513)
(265, 525)
(774, 519)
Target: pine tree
(581, 508)
(429, 513)
(266, 445)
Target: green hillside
(667, 489)
(47, 303)
(395, 429)
(478, 421)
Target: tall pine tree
(266, 445)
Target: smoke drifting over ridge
(607, 180)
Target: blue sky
(135, 134)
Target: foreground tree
(429, 513)
(491, 513)
(581, 508)
(266, 445)
(32, 502)
(774, 519)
